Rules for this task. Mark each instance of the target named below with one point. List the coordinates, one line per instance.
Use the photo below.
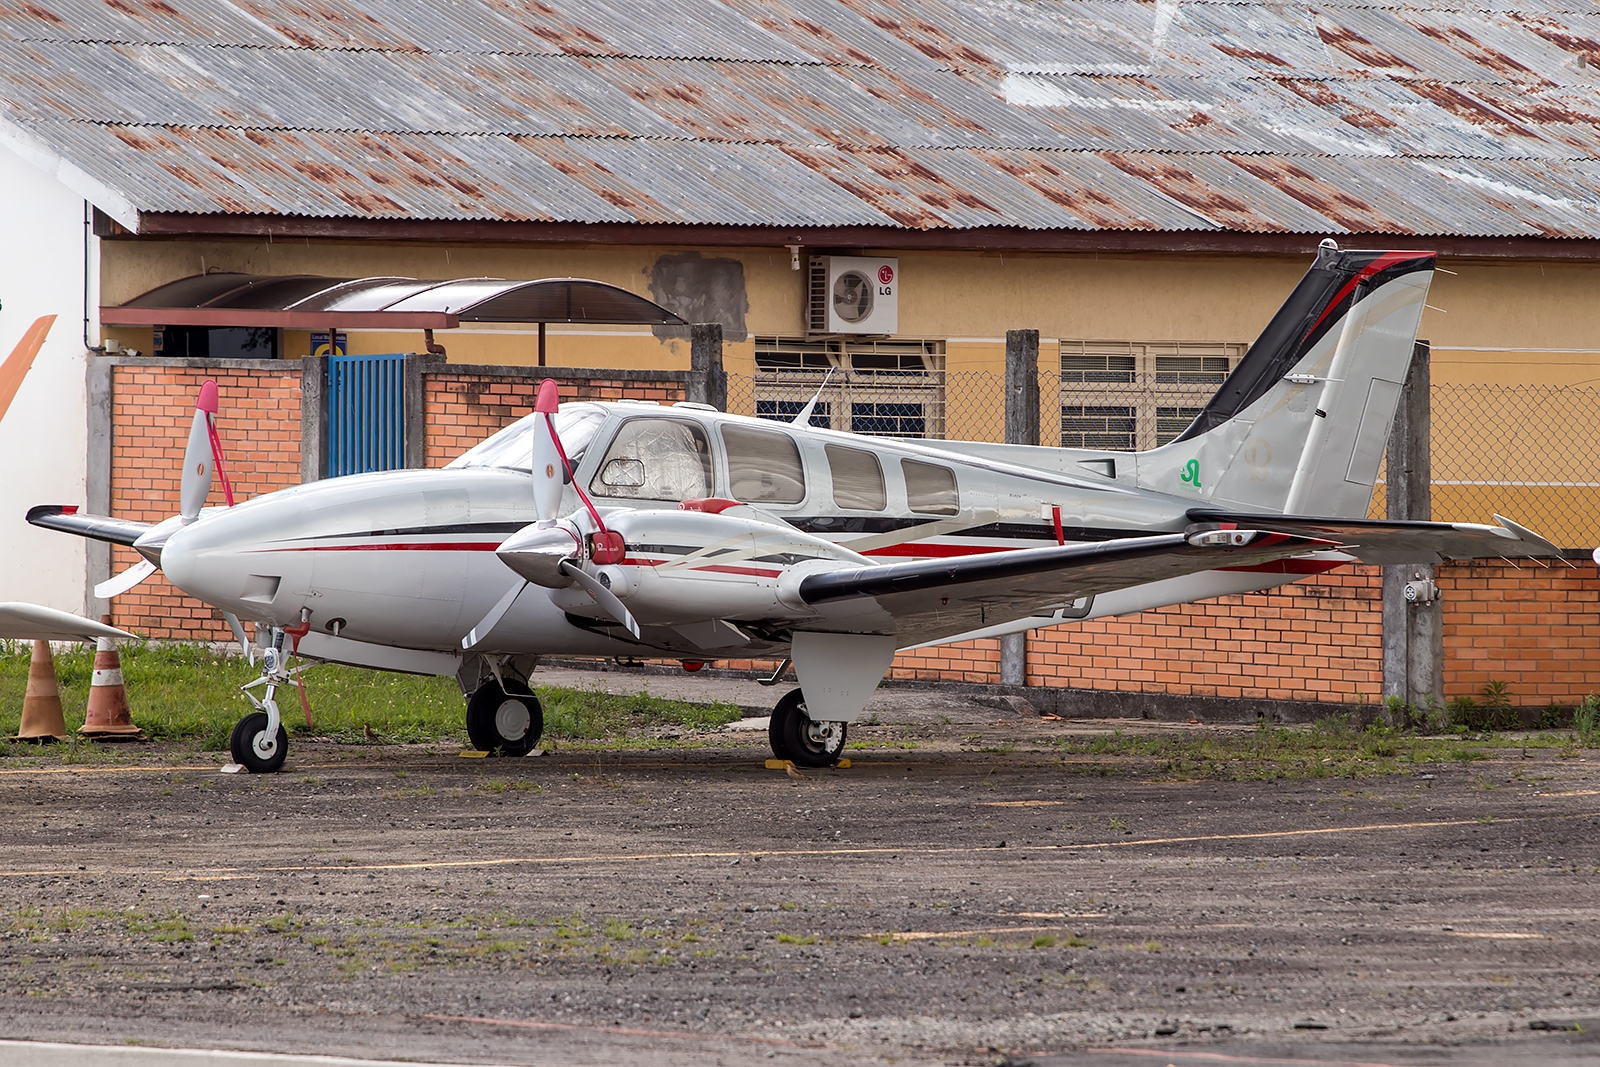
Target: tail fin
(15, 368)
(1300, 425)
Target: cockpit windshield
(512, 447)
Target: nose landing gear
(509, 720)
(259, 742)
(794, 736)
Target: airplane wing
(928, 599)
(1385, 542)
(32, 622)
(67, 519)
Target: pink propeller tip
(207, 401)
(549, 398)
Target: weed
(617, 930)
(1045, 941)
(1116, 825)
(1586, 720)
(797, 939)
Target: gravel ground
(970, 900)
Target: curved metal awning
(313, 302)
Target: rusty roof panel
(830, 33)
(165, 21)
(1407, 116)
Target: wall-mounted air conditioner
(853, 295)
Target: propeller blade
(602, 596)
(238, 632)
(198, 461)
(480, 633)
(208, 403)
(804, 416)
(125, 581)
(548, 467)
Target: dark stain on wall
(700, 290)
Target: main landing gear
(795, 737)
(506, 720)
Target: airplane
(635, 529)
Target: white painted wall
(43, 437)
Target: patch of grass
(1045, 941)
(797, 939)
(589, 714)
(187, 692)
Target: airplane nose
(537, 554)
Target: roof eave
(977, 239)
(108, 200)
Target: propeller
(201, 457)
(590, 541)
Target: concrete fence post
(708, 382)
(97, 490)
(1413, 633)
(1022, 428)
(418, 366)
(313, 418)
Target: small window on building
(857, 479)
(786, 410)
(930, 488)
(888, 419)
(1170, 422)
(763, 466)
(656, 459)
(1192, 370)
(1084, 426)
(1093, 367)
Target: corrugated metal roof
(1397, 116)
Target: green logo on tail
(1191, 473)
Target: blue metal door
(366, 414)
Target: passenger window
(656, 459)
(931, 488)
(857, 479)
(763, 466)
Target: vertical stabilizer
(1301, 424)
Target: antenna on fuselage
(804, 418)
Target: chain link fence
(1529, 452)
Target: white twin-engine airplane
(687, 533)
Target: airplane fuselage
(407, 558)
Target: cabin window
(857, 479)
(656, 459)
(930, 488)
(763, 466)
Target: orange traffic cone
(41, 705)
(108, 715)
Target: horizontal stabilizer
(1385, 542)
(67, 519)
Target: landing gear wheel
(795, 737)
(253, 749)
(508, 721)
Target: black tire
(242, 744)
(507, 721)
(796, 738)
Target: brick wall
(152, 406)
(466, 404)
(1535, 628)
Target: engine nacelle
(685, 567)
